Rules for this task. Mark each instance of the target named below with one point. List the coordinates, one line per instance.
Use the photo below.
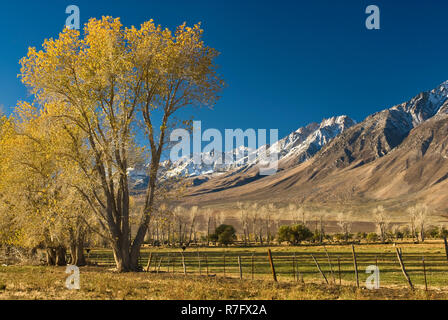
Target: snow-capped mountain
(301, 145)
(376, 136)
(186, 167)
(307, 141)
(383, 131)
(424, 106)
(398, 155)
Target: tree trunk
(51, 256)
(122, 258)
(208, 231)
(77, 253)
(61, 256)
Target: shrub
(433, 233)
(361, 235)
(294, 234)
(372, 237)
(224, 234)
(443, 232)
(343, 237)
(318, 236)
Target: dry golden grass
(100, 283)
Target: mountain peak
(444, 85)
(343, 120)
(441, 91)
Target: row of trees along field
(257, 224)
(64, 157)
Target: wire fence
(423, 269)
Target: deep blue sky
(286, 63)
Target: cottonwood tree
(381, 222)
(8, 229)
(267, 213)
(256, 219)
(345, 223)
(419, 216)
(192, 215)
(47, 212)
(208, 214)
(320, 229)
(182, 218)
(244, 220)
(277, 218)
(104, 84)
(298, 212)
(412, 223)
(292, 208)
(161, 224)
(221, 218)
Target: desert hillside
(395, 157)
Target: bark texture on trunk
(77, 254)
(51, 256)
(61, 253)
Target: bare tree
(345, 223)
(292, 208)
(254, 217)
(412, 218)
(180, 223)
(208, 218)
(418, 215)
(268, 212)
(193, 214)
(277, 218)
(257, 222)
(244, 220)
(381, 222)
(321, 229)
(221, 218)
(302, 215)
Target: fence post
(355, 264)
(155, 258)
(199, 263)
(206, 264)
(424, 273)
(160, 264)
(224, 265)
(403, 269)
(271, 262)
(320, 270)
(149, 262)
(168, 263)
(183, 263)
(331, 266)
(446, 247)
(294, 267)
(339, 271)
(253, 267)
(241, 268)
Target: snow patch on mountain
(302, 143)
(305, 142)
(424, 106)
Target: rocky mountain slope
(399, 153)
(297, 147)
